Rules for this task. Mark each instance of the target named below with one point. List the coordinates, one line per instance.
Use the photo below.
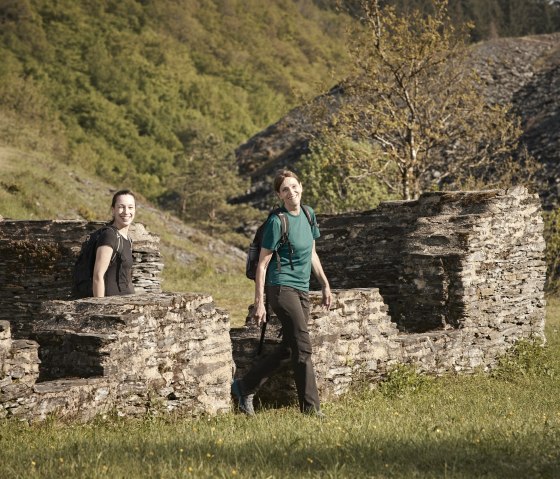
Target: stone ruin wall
(36, 261)
(445, 261)
(447, 282)
(461, 272)
(123, 355)
(462, 275)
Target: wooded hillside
(156, 95)
(134, 90)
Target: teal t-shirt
(301, 235)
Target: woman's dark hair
(120, 193)
(281, 175)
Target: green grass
(491, 426)
(227, 285)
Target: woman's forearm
(317, 269)
(259, 282)
(98, 287)
(259, 312)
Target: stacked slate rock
(461, 272)
(132, 355)
(19, 369)
(37, 259)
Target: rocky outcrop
(524, 72)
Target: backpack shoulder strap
(285, 226)
(120, 244)
(284, 223)
(285, 229)
(311, 220)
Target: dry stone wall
(130, 355)
(36, 261)
(19, 359)
(447, 282)
(446, 261)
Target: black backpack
(82, 276)
(255, 247)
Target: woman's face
(123, 211)
(290, 191)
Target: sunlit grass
(466, 428)
(33, 186)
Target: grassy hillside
(128, 90)
(98, 95)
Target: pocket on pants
(304, 300)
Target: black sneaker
(244, 402)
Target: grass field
(504, 425)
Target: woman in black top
(112, 278)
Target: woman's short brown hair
(281, 175)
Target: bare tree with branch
(414, 97)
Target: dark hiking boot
(244, 401)
(314, 413)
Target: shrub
(333, 184)
(402, 380)
(527, 359)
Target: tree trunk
(408, 183)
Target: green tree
(208, 178)
(413, 95)
(334, 186)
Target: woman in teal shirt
(287, 291)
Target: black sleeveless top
(118, 277)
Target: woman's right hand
(259, 310)
(259, 313)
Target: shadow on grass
(531, 456)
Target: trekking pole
(263, 328)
